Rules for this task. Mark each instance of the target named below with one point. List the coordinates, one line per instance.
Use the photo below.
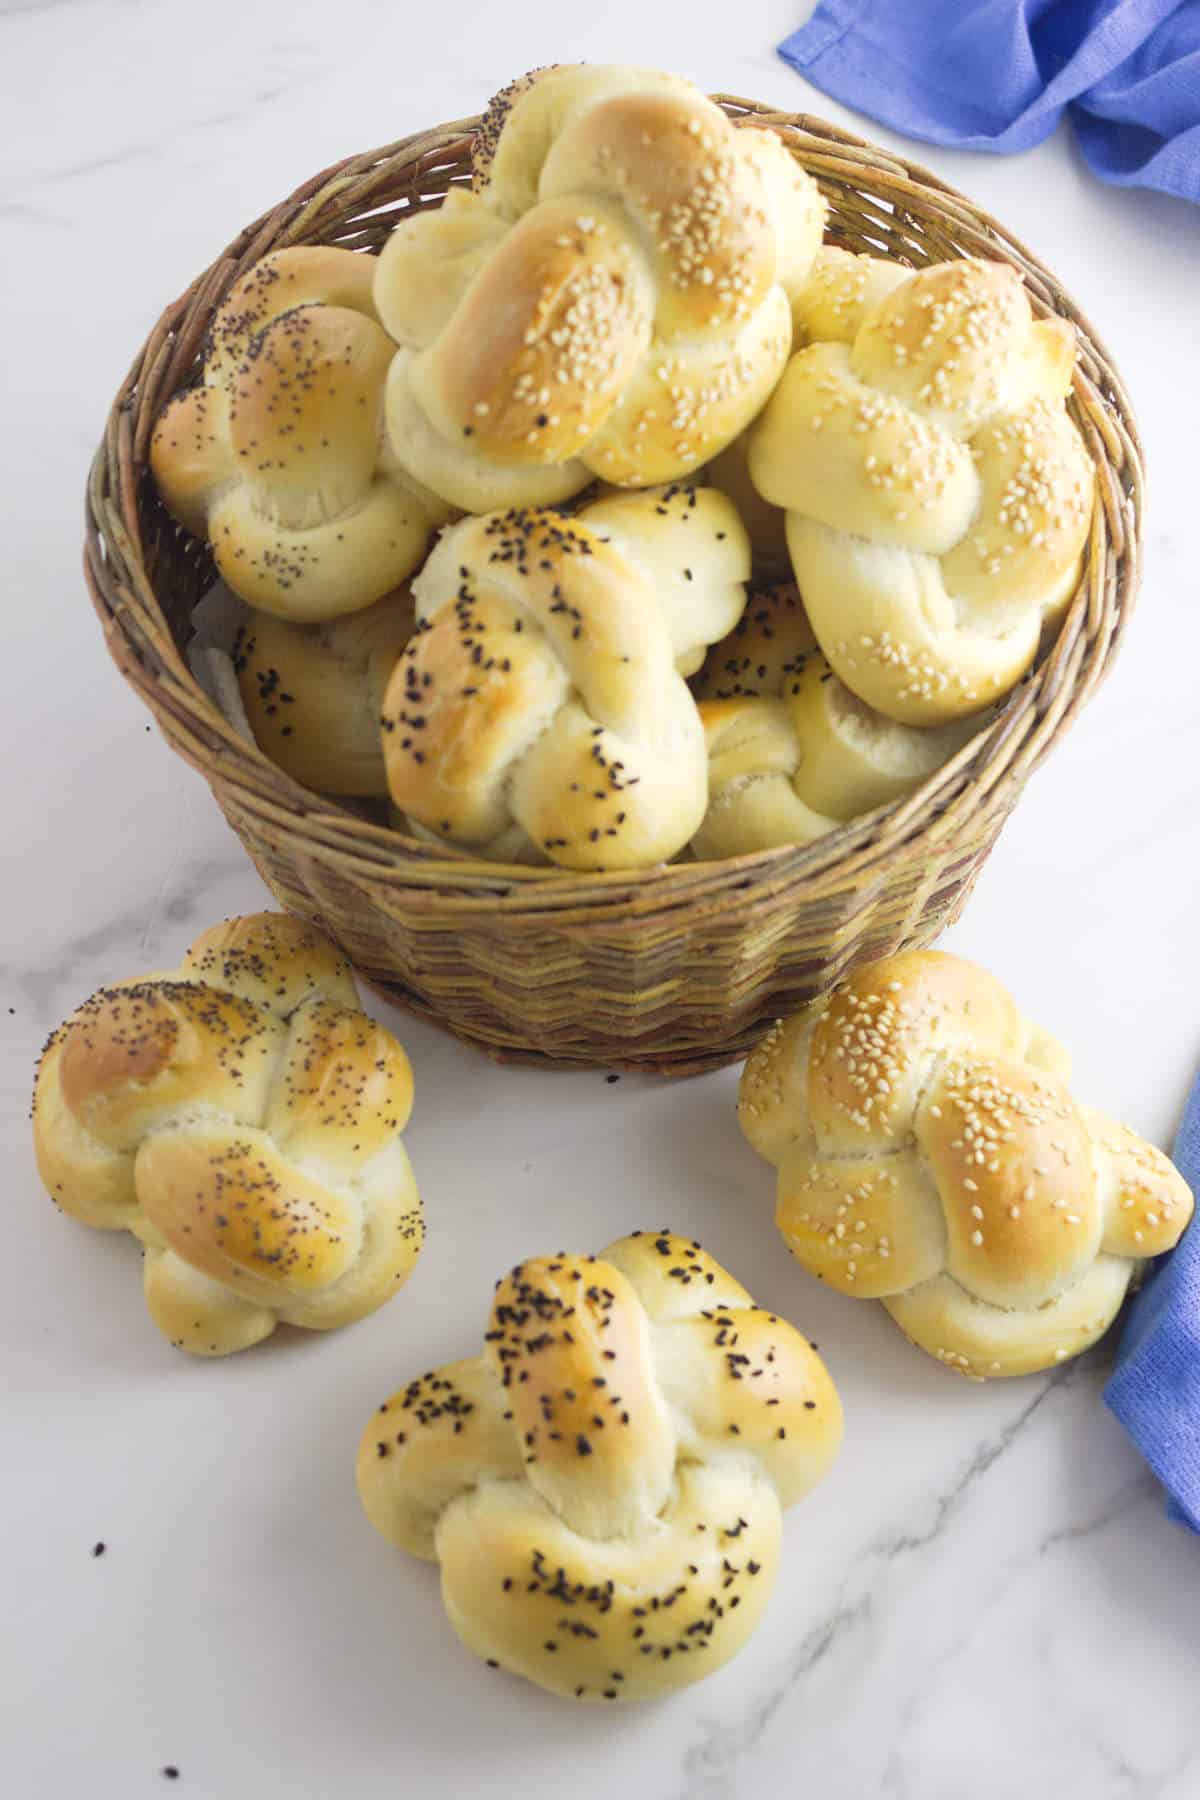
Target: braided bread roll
(313, 694)
(541, 706)
(828, 308)
(842, 290)
(766, 651)
(792, 753)
(930, 1156)
(766, 525)
(611, 298)
(279, 458)
(241, 1118)
(938, 495)
(604, 1486)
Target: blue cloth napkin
(999, 74)
(1155, 1388)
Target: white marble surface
(985, 1599)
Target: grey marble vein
(297, 66)
(182, 901)
(24, 9)
(1142, 1491)
(710, 1764)
(19, 214)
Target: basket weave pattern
(674, 969)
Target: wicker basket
(673, 969)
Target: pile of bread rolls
(603, 1484)
(741, 536)
(606, 517)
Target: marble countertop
(985, 1598)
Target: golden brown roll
(603, 1486)
(278, 457)
(541, 707)
(792, 753)
(829, 307)
(611, 298)
(842, 288)
(766, 525)
(938, 496)
(242, 1118)
(930, 1156)
(765, 652)
(313, 694)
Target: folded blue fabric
(1155, 1388)
(999, 74)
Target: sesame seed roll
(612, 296)
(840, 290)
(930, 1155)
(938, 496)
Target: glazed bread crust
(792, 753)
(842, 290)
(930, 1156)
(603, 1486)
(313, 694)
(938, 496)
(767, 650)
(278, 456)
(241, 1118)
(540, 709)
(611, 298)
(828, 307)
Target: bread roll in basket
(675, 968)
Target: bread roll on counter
(604, 1485)
(931, 1156)
(242, 1119)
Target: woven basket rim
(1037, 711)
